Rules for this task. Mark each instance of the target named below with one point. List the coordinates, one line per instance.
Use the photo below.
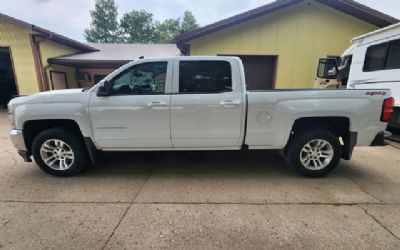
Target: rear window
(205, 77)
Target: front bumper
(17, 138)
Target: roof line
(347, 6)
(396, 25)
(49, 34)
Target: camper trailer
(371, 62)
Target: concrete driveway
(200, 200)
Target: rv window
(394, 55)
(376, 57)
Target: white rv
(371, 62)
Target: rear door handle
(230, 103)
(157, 104)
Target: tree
(168, 30)
(104, 27)
(138, 27)
(189, 23)
(171, 28)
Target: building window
(58, 80)
(205, 77)
(383, 56)
(98, 78)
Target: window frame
(389, 45)
(178, 65)
(167, 62)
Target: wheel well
(33, 128)
(339, 126)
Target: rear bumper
(380, 138)
(17, 138)
(395, 121)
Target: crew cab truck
(194, 103)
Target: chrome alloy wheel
(316, 154)
(57, 154)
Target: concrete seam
(202, 203)
(362, 189)
(379, 222)
(130, 205)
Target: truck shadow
(195, 163)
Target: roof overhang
(47, 34)
(94, 64)
(347, 6)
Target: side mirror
(327, 68)
(105, 89)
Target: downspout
(43, 70)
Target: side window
(375, 57)
(205, 77)
(394, 55)
(145, 78)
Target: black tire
(73, 141)
(303, 138)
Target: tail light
(387, 109)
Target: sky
(71, 17)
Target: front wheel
(314, 153)
(59, 152)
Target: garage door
(260, 71)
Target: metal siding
(299, 35)
(50, 49)
(18, 40)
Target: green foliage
(136, 26)
(104, 26)
(189, 23)
(168, 30)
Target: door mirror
(105, 89)
(327, 68)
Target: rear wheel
(314, 153)
(59, 152)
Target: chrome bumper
(17, 138)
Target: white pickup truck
(194, 103)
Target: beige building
(280, 43)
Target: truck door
(135, 113)
(207, 105)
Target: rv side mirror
(327, 68)
(105, 89)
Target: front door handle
(157, 104)
(230, 103)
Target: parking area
(197, 200)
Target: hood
(55, 96)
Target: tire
(314, 153)
(55, 144)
